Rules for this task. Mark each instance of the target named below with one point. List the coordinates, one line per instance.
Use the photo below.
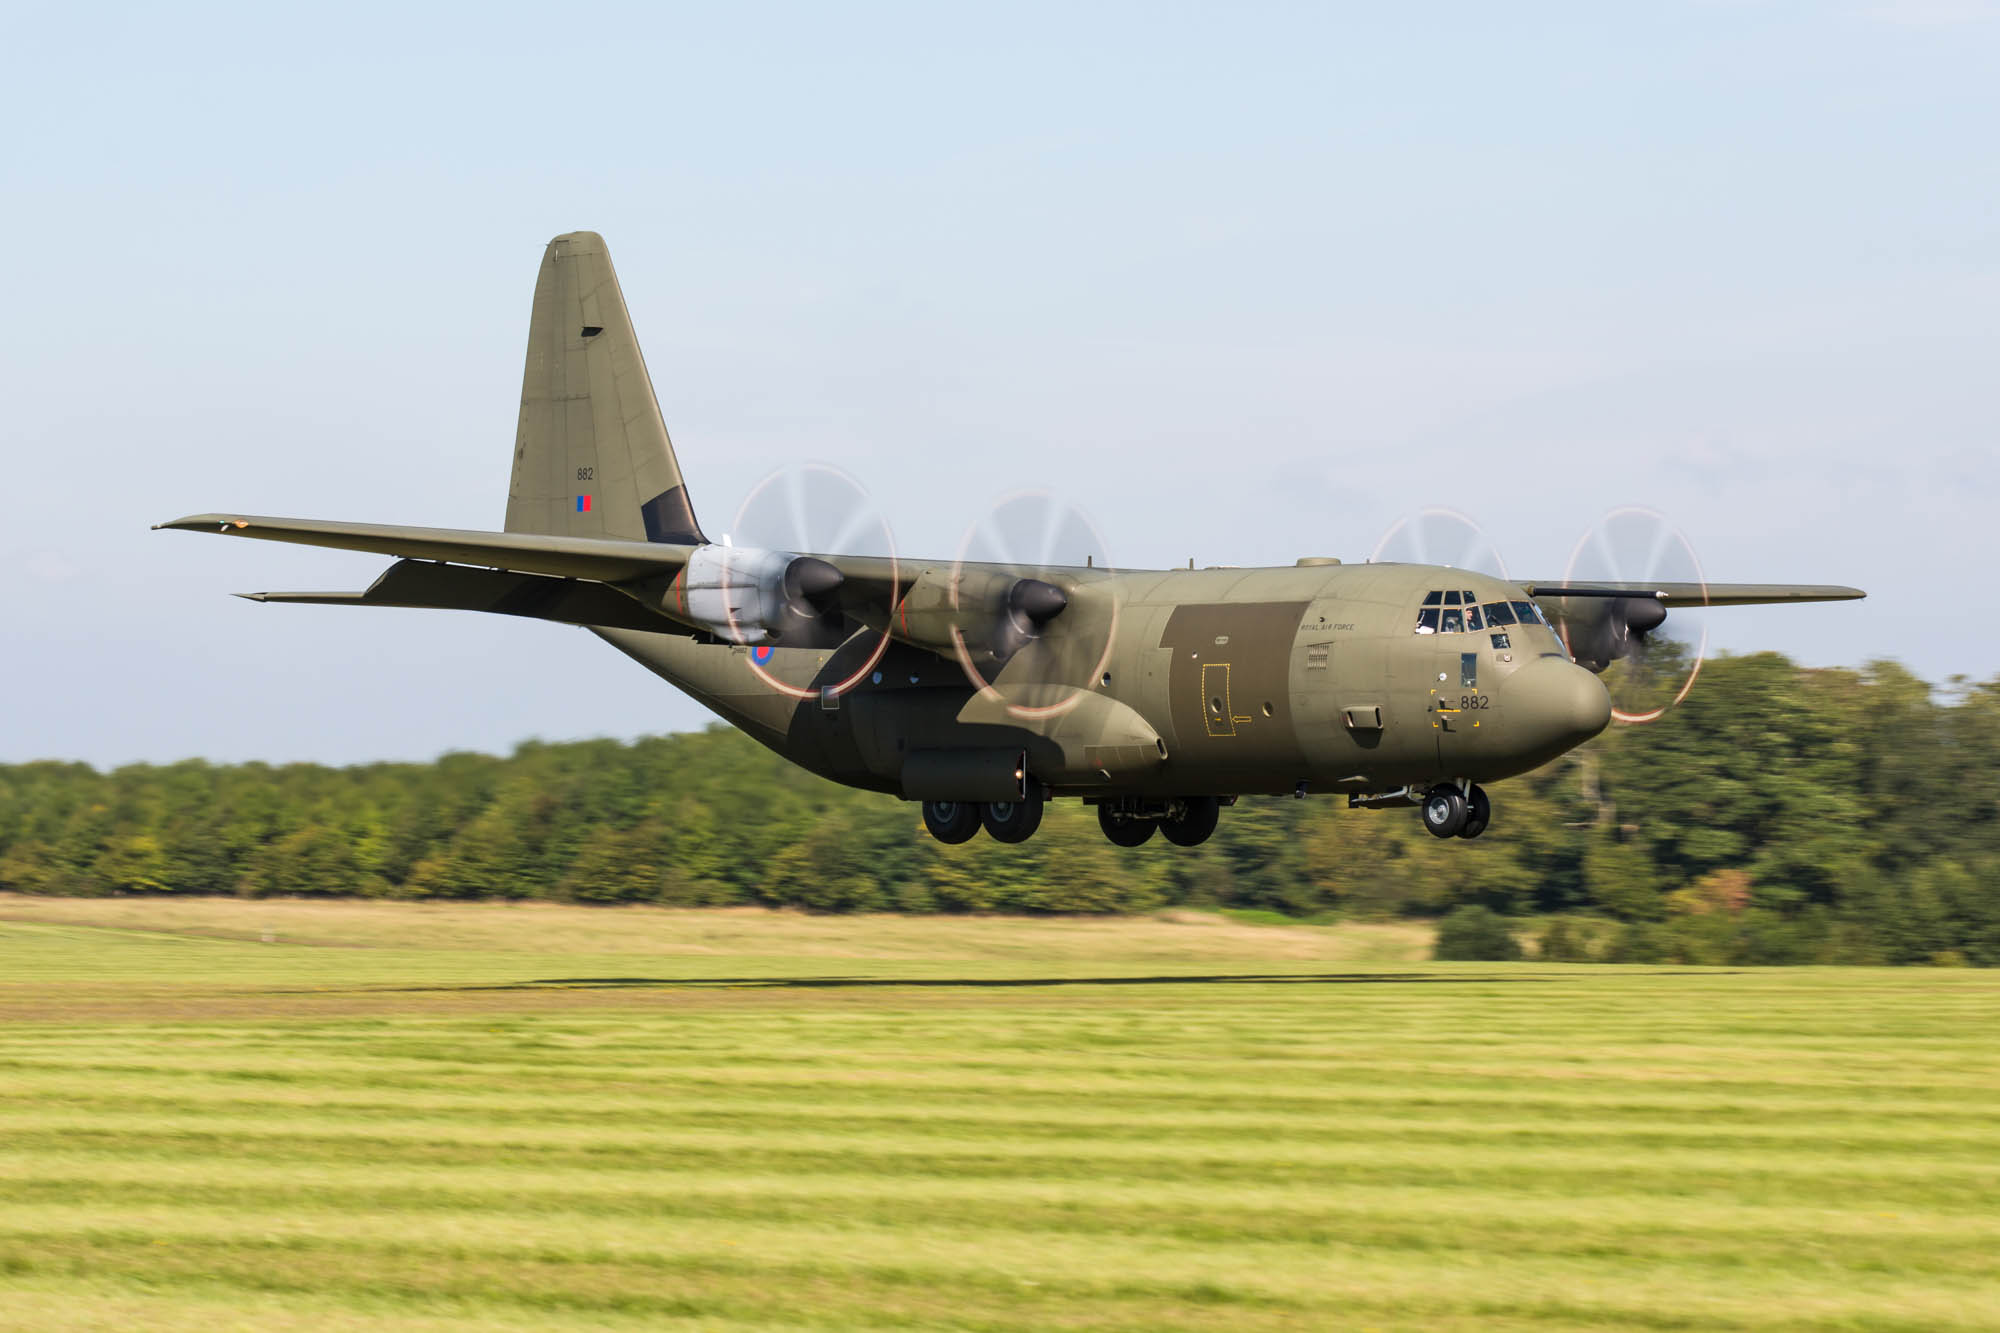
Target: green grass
(484, 1116)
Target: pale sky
(1245, 282)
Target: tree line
(1783, 814)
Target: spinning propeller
(1439, 536)
(1647, 672)
(1015, 628)
(772, 566)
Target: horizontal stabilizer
(424, 584)
(1701, 594)
(607, 559)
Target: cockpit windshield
(1456, 611)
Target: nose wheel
(1450, 812)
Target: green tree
(1475, 935)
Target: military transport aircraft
(984, 689)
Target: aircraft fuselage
(1213, 682)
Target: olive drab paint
(1152, 694)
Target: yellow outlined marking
(1215, 710)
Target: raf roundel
(761, 653)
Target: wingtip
(252, 596)
(204, 523)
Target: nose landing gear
(1453, 812)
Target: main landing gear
(1452, 811)
(1184, 821)
(1005, 821)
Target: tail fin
(591, 456)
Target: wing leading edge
(1701, 594)
(604, 559)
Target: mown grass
(416, 1117)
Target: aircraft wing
(606, 560)
(1699, 594)
(608, 582)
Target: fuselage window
(1427, 620)
(1454, 620)
(1433, 598)
(1499, 613)
(1451, 598)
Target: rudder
(591, 454)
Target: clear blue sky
(1247, 282)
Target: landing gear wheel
(1478, 814)
(1195, 822)
(951, 821)
(1013, 821)
(1125, 830)
(1444, 811)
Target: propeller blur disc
(1036, 535)
(816, 509)
(1439, 536)
(1635, 544)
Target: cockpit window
(1457, 611)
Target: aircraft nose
(1557, 702)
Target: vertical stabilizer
(591, 455)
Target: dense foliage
(1475, 934)
(1782, 814)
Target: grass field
(269, 1115)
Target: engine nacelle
(1603, 630)
(745, 594)
(991, 614)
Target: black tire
(1195, 823)
(1444, 811)
(1124, 830)
(1013, 821)
(1478, 814)
(951, 821)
